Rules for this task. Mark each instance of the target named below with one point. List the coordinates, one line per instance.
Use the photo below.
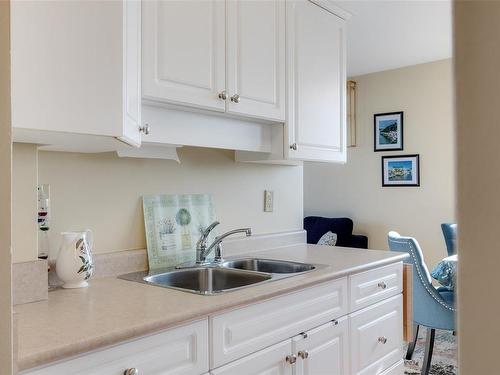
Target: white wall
(103, 192)
(424, 93)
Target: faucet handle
(203, 238)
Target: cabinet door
(323, 350)
(269, 361)
(377, 336)
(132, 72)
(256, 58)
(184, 52)
(68, 66)
(316, 123)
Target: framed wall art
(402, 170)
(388, 131)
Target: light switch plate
(268, 200)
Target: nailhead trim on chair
(424, 283)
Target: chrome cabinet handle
(235, 98)
(304, 354)
(382, 339)
(291, 359)
(382, 285)
(222, 95)
(131, 371)
(293, 146)
(144, 129)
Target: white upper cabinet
(255, 41)
(227, 56)
(184, 52)
(132, 95)
(266, 78)
(316, 114)
(76, 70)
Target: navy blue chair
(316, 226)
(432, 308)
(450, 237)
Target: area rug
(444, 357)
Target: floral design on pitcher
(87, 265)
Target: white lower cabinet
(323, 350)
(376, 336)
(308, 332)
(369, 287)
(269, 361)
(320, 351)
(178, 351)
(397, 369)
(244, 331)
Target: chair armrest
(359, 241)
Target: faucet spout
(217, 244)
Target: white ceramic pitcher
(74, 265)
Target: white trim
(333, 8)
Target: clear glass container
(43, 221)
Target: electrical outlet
(268, 200)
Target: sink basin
(268, 265)
(231, 275)
(206, 280)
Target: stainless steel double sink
(218, 278)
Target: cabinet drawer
(179, 351)
(376, 336)
(246, 330)
(367, 288)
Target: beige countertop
(110, 310)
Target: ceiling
(384, 35)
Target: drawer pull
(131, 371)
(382, 285)
(291, 359)
(304, 354)
(382, 339)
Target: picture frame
(173, 225)
(388, 131)
(401, 170)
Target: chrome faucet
(202, 251)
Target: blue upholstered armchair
(432, 308)
(450, 237)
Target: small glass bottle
(43, 221)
